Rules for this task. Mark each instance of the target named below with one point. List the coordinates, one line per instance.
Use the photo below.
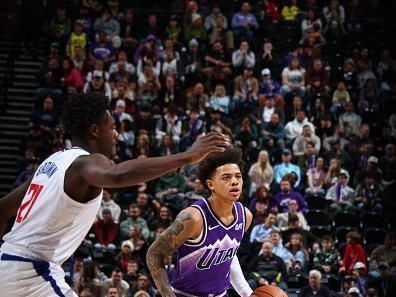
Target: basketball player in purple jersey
(206, 236)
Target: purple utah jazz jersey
(203, 266)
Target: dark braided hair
(207, 167)
(81, 111)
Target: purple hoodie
(281, 200)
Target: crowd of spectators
(297, 85)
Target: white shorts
(23, 277)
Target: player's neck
(83, 144)
(221, 207)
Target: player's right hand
(212, 142)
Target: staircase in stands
(14, 119)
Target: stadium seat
(293, 292)
(372, 220)
(345, 219)
(316, 202)
(296, 281)
(320, 231)
(341, 233)
(373, 236)
(317, 217)
(331, 281)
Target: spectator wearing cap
(354, 292)
(359, 272)
(369, 194)
(284, 217)
(243, 57)
(219, 33)
(245, 92)
(268, 87)
(125, 255)
(385, 284)
(196, 30)
(244, 23)
(286, 167)
(327, 259)
(192, 61)
(341, 195)
(280, 202)
(315, 287)
(100, 67)
(105, 230)
(98, 84)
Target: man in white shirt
(294, 128)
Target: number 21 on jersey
(24, 209)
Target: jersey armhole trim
(202, 236)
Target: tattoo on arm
(165, 245)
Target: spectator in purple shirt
(102, 50)
(243, 23)
(268, 87)
(280, 201)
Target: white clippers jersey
(50, 225)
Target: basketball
(269, 291)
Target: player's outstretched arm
(188, 224)
(10, 203)
(99, 171)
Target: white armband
(238, 280)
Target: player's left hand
(212, 142)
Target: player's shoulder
(192, 213)
(84, 160)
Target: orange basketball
(269, 291)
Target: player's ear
(209, 184)
(94, 130)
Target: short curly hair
(80, 111)
(207, 167)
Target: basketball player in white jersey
(56, 208)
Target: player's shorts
(23, 277)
